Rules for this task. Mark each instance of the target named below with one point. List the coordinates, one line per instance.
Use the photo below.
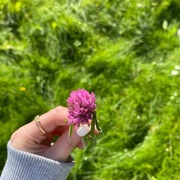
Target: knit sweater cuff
(26, 166)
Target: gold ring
(38, 123)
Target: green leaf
(93, 138)
(70, 130)
(97, 123)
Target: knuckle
(14, 136)
(70, 142)
(58, 109)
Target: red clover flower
(81, 106)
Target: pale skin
(29, 138)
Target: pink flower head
(81, 106)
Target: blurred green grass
(126, 52)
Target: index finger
(50, 120)
(54, 118)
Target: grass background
(126, 52)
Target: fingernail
(83, 130)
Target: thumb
(63, 147)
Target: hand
(29, 137)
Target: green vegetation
(126, 52)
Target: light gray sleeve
(26, 166)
